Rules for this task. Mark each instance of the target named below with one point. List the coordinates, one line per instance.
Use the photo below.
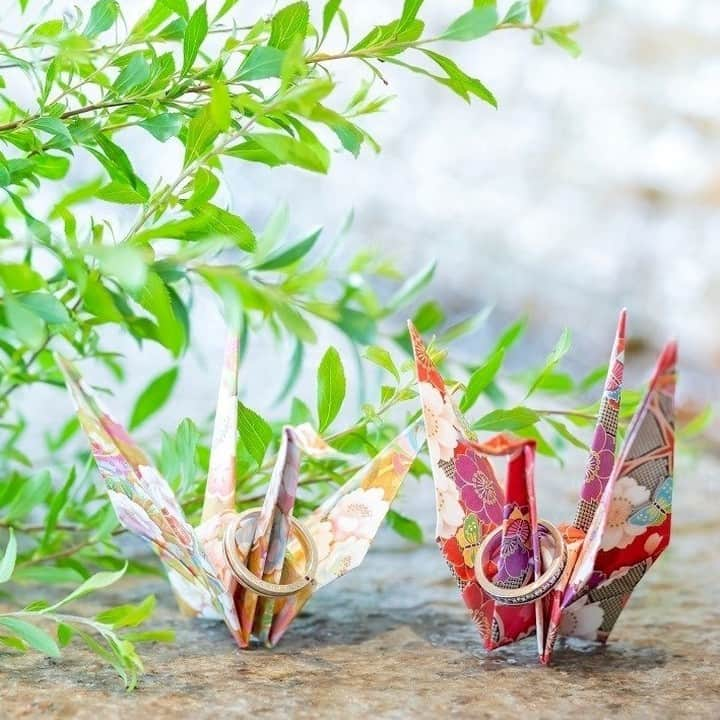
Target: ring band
(251, 581)
(532, 591)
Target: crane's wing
(146, 506)
(345, 524)
(470, 504)
(598, 469)
(631, 526)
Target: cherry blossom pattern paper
(622, 521)
(342, 528)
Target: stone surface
(392, 640)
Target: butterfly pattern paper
(621, 525)
(342, 528)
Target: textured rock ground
(612, 161)
(392, 640)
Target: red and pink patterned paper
(622, 522)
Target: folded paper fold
(342, 528)
(621, 525)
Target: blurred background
(596, 185)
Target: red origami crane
(519, 574)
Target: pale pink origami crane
(265, 546)
(519, 575)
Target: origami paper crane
(621, 526)
(207, 565)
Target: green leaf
(557, 383)
(46, 575)
(158, 13)
(473, 24)
(53, 167)
(288, 23)
(696, 425)
(59, 500)
(409, 13)
(459, 81)
(220, 106)
(133, 76)
(350, 135)
(164, 126)
(255, 433)
(153, 397)
(116, 192)
(289, 255)
(179, 7)
(205, 185)
(102, 17)
(294, 322)
(201, 133)
(117, 163)
(260, 63)
(126, 263)
(55, 128)
(195, 33)
(33, 636)
(428, 317)
(274, 231)
(47, 29)
(411, 288)
(98, 300)
(380, 356)
(64, 634)
(514, 419)
(29, 328)
(329, 11)
(562, 430)
(294, 65)
(563, 40)
(481, 378)
(150, 636)
(516, 13)
(330, 388)
(7, 562)
(559, 351)
(45, 306)
(13, 642)
(276, 149)
(537, 9)
(98, 581)
(511, 335)
(390, 33)
(178, 456)
(404, 526)
(20, 276)
(357, 325)
(223, 223)
(594, 377)
(465, 327)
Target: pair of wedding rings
(532, 591)
(236, 561)
(506, 596)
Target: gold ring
(251, 581)
(532, 591)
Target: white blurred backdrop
(595, 185)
